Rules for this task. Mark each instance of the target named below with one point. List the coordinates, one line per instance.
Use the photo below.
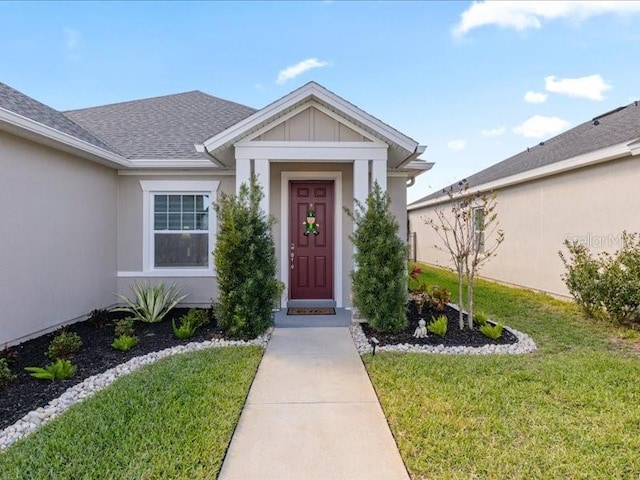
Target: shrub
(438, 298)
(59, 370)
(606, 286)
(124, 327)
(125, 343)
(245, 261)
(417, 280)
(152, 302)
(64, 345)
(5, 373)
(491, 331)
(438, 325)
(189, 323)
(379, 279)
(480, 318)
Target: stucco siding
(58, 247)
(592, 205)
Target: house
(581, 185)
(94, 199)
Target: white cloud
(535, 97)
(294, 70)
(457, 144)
(521, 15)
(541, 127)
(591, 87)
(494, 132)
(72, 38)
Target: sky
(476, 82)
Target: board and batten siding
(58, 243)
(592, 205)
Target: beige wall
(201, 290)
(593, 205)
(312, 125)
(58, 242)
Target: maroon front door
(311, 255)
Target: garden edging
(36, 418)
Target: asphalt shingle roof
(17, 102)
(611, 128)
(161, 127)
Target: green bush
(5, 373)
(480, 318)
(189, 323)
(438, 325)
(64, 345)
(606, 286)
(245, 260)
(438, 298)
(379, 278)
(491, 331)
(124, 343)
(124, 327)
(59, 370)
(152, 302)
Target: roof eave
(26, 128)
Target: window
(178, 226)
(478, 229)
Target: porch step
(342, 318)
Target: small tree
(468, 229)
(245, 263)
(379, 278)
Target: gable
(312, 125)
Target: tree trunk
(470, 299)
(460, 299)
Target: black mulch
(453, 338)
(26, 393)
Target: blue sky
(474, 81)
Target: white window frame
(175, 187)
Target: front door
(311, 211)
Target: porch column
(261, 169)
(379, 174)
(360, 180)
(243, 172)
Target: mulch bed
(453, 338)
(25, 393)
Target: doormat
(311, 311)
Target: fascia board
(49, 136)
(591, 158)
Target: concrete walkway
(312, 414)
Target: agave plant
(152, 303)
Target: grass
(173, 419)
(570, 410)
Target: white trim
(308, 91)
(595, 157)
(176, 173)
(171, 163)
(168, 273)
(320, 151)
(149, 187)
(337, 230)
(56, 138)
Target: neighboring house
(580, 185)
(95, 199)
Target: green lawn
(570, 410)
(173, 419)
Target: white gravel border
(525, 344)
(32, 420)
